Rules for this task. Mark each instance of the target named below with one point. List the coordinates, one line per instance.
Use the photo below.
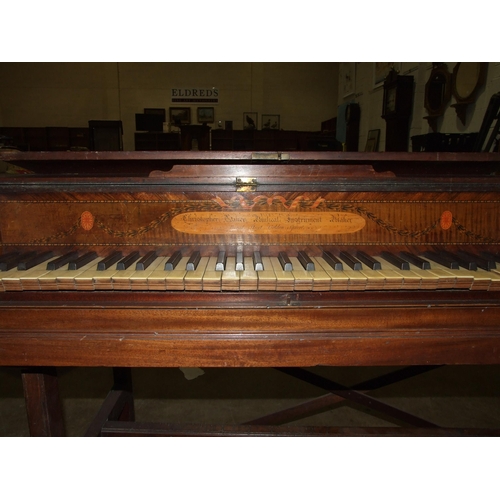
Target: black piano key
(397, 261)
(368, 260)
(442, 259)
(172, 262)
(285, 262)
(127, 261)
(491, 259)
(111, 259)
(464, 260)
(240, 264)
(335, 263)
(61, 261)
(480, 261)
(83, 260)
(7, 259)
(146, 261)
(453, 258)
(193, 261)
(492, 256)
(15, 260)
(416, 261)
(35, 260)
(221, 261)
(257, 262)
(306, 262)
(351, 261)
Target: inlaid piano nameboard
(249, 259)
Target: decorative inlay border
(239, 202)
(237, 245)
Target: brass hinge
(246, 184)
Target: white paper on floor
(191, 373)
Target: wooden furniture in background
(273, 140)
(47, 138)
(195, 137)
(157, 141)
(106, 135)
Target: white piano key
(249, 279)
(156, 280)
(174, 280)
(267, 277)
(230, 279)
(193, 280)
(211, 277)
(284, 279)
(321, 279)
(339, 279)
(303, 280)
(410, 280)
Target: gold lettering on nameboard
(268, 223)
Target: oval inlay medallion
(446, 220)
(87, 221)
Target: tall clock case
(398, 96)
(397, 110)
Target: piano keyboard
(173, 271)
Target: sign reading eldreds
(196, 95)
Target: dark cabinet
(79, 138)
(157, 141)
(46, 138)
(58, 138)
(273, 140)
(106, 135)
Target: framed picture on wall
(206, 115)
(249, 121)
(348, 78)
(270, 122)
(372, 140)
(180, 116)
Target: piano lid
(141, 163)
(250, 171)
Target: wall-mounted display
(156, 111)
(270, 122)
(348, 78)
(180, 116)
(205, 115)
(250, 120)
(437, 93)
(467, 78)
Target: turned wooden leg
(41, 393)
